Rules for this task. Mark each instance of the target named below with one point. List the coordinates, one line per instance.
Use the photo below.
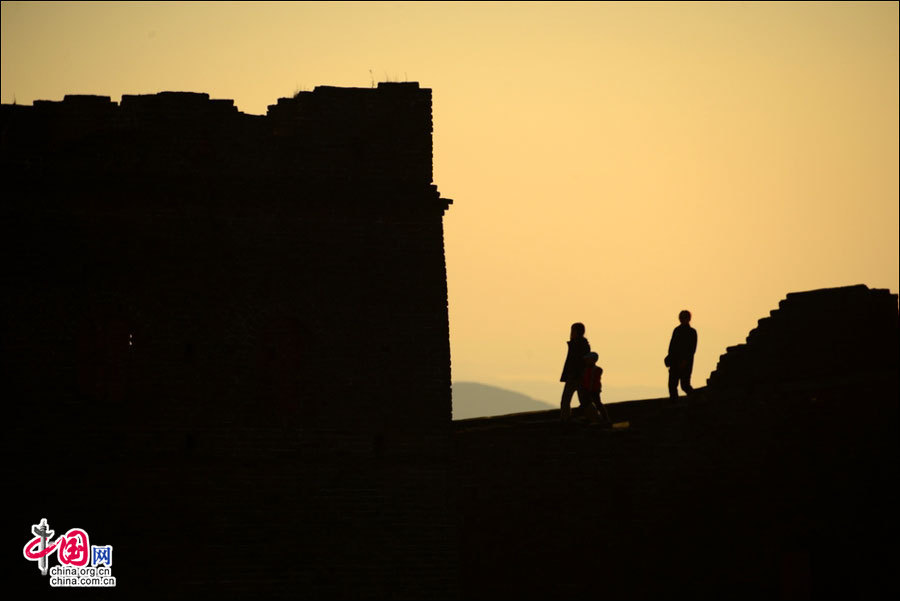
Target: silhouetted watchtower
(246, 315)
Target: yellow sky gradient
(610, 163)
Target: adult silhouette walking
(680, 359)
(573, 371)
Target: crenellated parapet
(377, 137)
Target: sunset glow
(610, 163)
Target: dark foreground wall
(787, 498)
(225, 342)
(777, 487)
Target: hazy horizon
(610, 163)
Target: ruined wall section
(815, 338)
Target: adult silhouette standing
(680, 359)
(572, 373)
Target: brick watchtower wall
(230, 334)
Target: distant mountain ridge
(471, 399)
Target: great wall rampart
(184, 290)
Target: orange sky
(610, 163)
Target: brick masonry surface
(225, 352)
(225, 342)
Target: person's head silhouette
(684, 317)
(577, 331)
